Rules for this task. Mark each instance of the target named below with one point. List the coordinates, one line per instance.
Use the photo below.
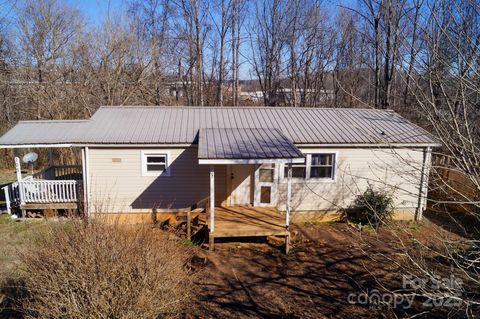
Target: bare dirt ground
(327, 263)
(257, 280)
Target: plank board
(49, 206)
(246, 221)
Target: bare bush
(98, 270)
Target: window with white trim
(322, 166)
(299, 170)
(318, 166)
(154, 164)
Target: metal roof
(180, 125)
(44, 132)
(245, 143)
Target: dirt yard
(327, 263)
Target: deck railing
(29, 191)
(41, 191)
(60, 172)
(12, 195)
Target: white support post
(85, 179)
(289, 194)
(427, 158)
(18, 170)
(212, 198)
(7, 200)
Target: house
(253, 168)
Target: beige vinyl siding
(395, 170)
(118, 185)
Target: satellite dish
(30, 158)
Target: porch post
(212, 198)
(7, 200)
(423, 194)
(289, 194)
(85, 180)
(18, 171)
(50, 157)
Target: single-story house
(295, 163)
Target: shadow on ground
(326, 265)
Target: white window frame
(334, 167)
(308, 159)
(283, 178)
(146, 153)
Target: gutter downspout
(423, 193)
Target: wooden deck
(246, 221)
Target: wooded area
(383, 54)
(418, 57)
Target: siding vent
(116, 160)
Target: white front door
(266, 180)
(240, 187)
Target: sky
(96, 10)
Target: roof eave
(224, 161)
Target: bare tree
(225, 24)
(46, 31)
(268, 41)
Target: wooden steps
(247, 221)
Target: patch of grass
(415, 226)
(367, 228)
(187, 242)
(16, 236)
(7, 176)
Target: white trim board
(136, 145)
(203, 161)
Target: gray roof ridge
(54, 121)
(243, 107)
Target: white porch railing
(41, 191)
(12, 195)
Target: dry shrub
(95, 270)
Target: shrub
(373, 207)
(94, 270)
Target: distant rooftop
(180, 125)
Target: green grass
(187, 242)
(16, 236)
(7, 176)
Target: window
(322, 166)
(265, 194)
(266, 173)
(298, 171)
(154, 164)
